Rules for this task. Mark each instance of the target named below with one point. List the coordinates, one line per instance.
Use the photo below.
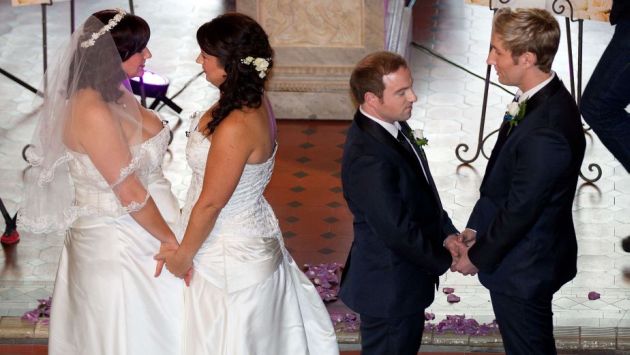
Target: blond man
(525, 247)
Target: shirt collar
(522, 96)
(392, 128)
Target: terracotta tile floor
(305, 190)
(6, 349)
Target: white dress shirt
(522, 96)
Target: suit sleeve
(447, 225)
(540, 161)
(373, 183)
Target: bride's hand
(178, 264)
(188, 277)
(166, 249)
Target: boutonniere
(515, 113)
(419, 139)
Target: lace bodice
(247, 213)
(91, 189)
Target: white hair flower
(260, 64)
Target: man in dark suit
(525, 247)
(399, 223)
(607, 94)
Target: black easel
(44, 51)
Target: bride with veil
(96, 173)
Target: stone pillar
(317, 43)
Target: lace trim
(53, 223)
(47, 175)
(136, 206)
(128, 170)
(160, 139)
(49, 223)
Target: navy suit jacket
(526, 245)
(399, 225)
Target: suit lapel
(501, 138)
(380, 134)
(425, 164)
(542, 96)
(505, 133)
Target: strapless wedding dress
(247, 295)
(106, 300)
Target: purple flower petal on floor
(452, 298)
(458, 324)
(325, 277)
(593, 296)
(42, 312)
(345, 321)
(429, 316)
(448, 290)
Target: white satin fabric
(247, 295)
(106, 300)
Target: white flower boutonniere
(515, 113)
(420, 140)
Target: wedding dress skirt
(247, 296)
(106, 300)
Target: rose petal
(452, 298)
(593, 296)
(448, 290)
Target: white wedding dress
(247, 296)
(106, 300)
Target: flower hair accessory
(260, 64)
(515, 113)
(110, 24)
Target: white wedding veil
(87, 88)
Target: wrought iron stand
(559, 7)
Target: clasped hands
(177, 263)
(458, 245)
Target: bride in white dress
(97, 157)
(247, 296)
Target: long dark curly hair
(231, 38)
(130, 36)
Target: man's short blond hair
(528, 30)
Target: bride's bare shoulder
(88, 103)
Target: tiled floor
(305, 189)
(6, 349)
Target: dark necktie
(401, 139)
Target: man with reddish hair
(399, 224)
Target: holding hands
(178, 264)
(458, 245)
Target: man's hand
(455, 246)
(468, 237)
(464, 265)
